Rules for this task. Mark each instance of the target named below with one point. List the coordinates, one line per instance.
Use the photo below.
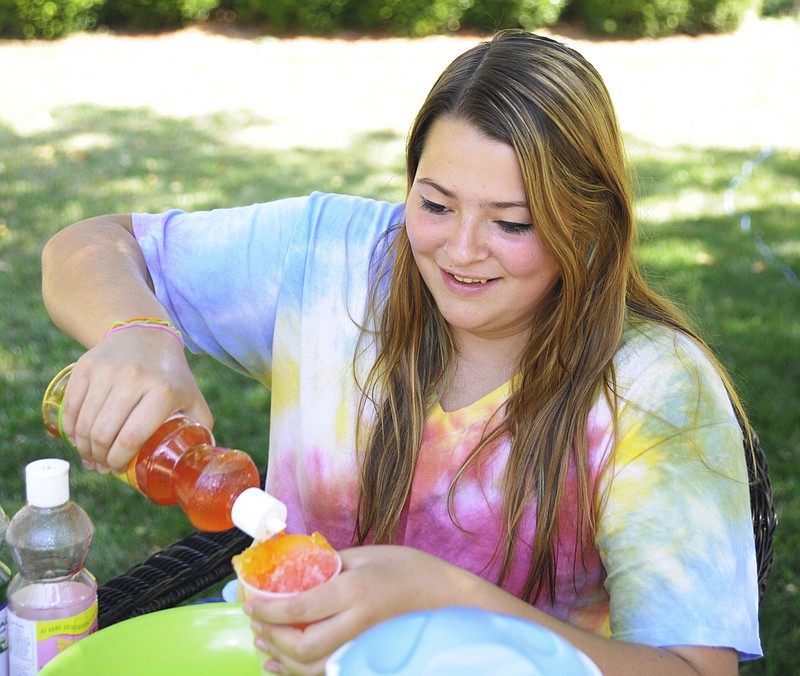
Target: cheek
(422, 235)
(531, 261)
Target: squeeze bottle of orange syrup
(181, 464)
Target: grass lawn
(724, 248)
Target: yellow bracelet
(145, 323)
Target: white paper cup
(254, 593)
(249, 592)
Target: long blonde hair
(549, 104)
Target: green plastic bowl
(206, 638)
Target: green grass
(98, 161)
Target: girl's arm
(126, 385)
(93, 274)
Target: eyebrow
(490, 205)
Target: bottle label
(3, 639)
(5, 576)
(35, 642)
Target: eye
(432, 207)
(514, 228)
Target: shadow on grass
(744, 302)
(99, 161)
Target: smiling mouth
(470, 280)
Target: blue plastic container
(459, 641)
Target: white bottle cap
(47, 482)
(258, 514)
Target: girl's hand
(376, 583)
(120, 392)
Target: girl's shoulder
(647, 344)
(347, 208)
(659, 361)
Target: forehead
(460, 161)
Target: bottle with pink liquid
(5, 577)
(52, 601)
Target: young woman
(475, 396)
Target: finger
(271, 665)
(74, 396)
(83, 403)
(108, 419)
(139, 424)
(312, 605)
(71, 405)
(200, 412)
(312, 644)
(286, 665)
(281, 662)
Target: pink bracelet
(145, 323)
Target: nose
(466, 241)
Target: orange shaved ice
(287, 563)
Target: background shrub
(719, 16)
(780, 7)
(633, 17)
(149, 15)
(395, 17)
(657, 18)
(46, 18)
(412, 18)
(487, 15)
(315, 16)
(321, 17)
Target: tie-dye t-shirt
(278, 291)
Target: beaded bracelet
(146, 323)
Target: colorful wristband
(145, 323)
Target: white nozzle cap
(47, 482)
(258, 514)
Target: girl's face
(472, 235)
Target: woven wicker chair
(199, 560)
(762, 507)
